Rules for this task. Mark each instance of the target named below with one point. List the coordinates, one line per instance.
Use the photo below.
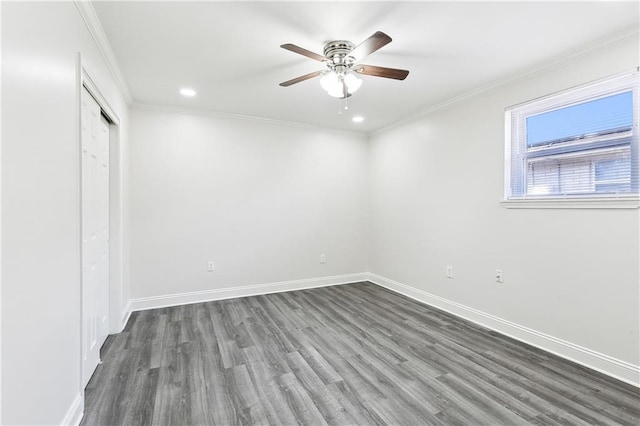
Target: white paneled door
(95, 232)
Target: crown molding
(90, 17)
(229, 115)
(549, 65)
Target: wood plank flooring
(355, 354)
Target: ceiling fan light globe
(336, 91)
(330, 82)
(353, 83)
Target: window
(575, 145)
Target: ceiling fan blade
(381, 72)
(301, 78)
(370, 45)
(309, 54)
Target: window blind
(578, 143)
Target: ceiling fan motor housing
(337, 54)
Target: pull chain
(343, 104)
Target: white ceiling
(229, 51)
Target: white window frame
(515, 139)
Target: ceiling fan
(342, 60)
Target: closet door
(95, 232)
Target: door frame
(116, 211)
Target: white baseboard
(126, 313)
(608, 365)
(154, 302)
(75, 412)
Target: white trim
(92, 87)
(590, 148)
(86, 81)
(116, 216)
(1, 224)
(101, 40)
(574, 203)
(154, 302)
(548, 65)
(126, 314)
(219, 114)
(602, 87)
(605, 364)
(78, 123)
(116, 247)
(75, 412)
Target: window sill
(573, 203)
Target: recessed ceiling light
(358, 119)
(187, 92)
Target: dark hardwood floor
(345, 355)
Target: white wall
(436, 185)
(41, 206)
(261, 199)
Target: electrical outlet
(499, 276)
(211, 266)
(323, 258)
(449, 271)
